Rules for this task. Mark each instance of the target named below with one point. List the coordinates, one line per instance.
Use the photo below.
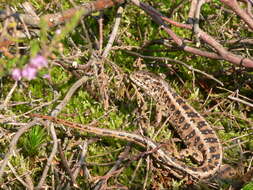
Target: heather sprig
(31, 69)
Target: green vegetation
(32, 141)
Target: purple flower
(58, 31)
(29, 72)
(38, 62)
(16, 74)
(47, 76)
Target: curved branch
(224, 54)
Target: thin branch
(101, 37)
(61, 17)
(8, 97)
(12, 146)
(55, 112)
(166, 59)
(66, 165)
(8, 119)
(81, 161)
(114, 33)
(69, 94)
(17, 176)
(239, 11)
(100, 183)
(51, 157)
(240, 100)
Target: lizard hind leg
(193, 153)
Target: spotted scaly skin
(189, 124)
(192, 128)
